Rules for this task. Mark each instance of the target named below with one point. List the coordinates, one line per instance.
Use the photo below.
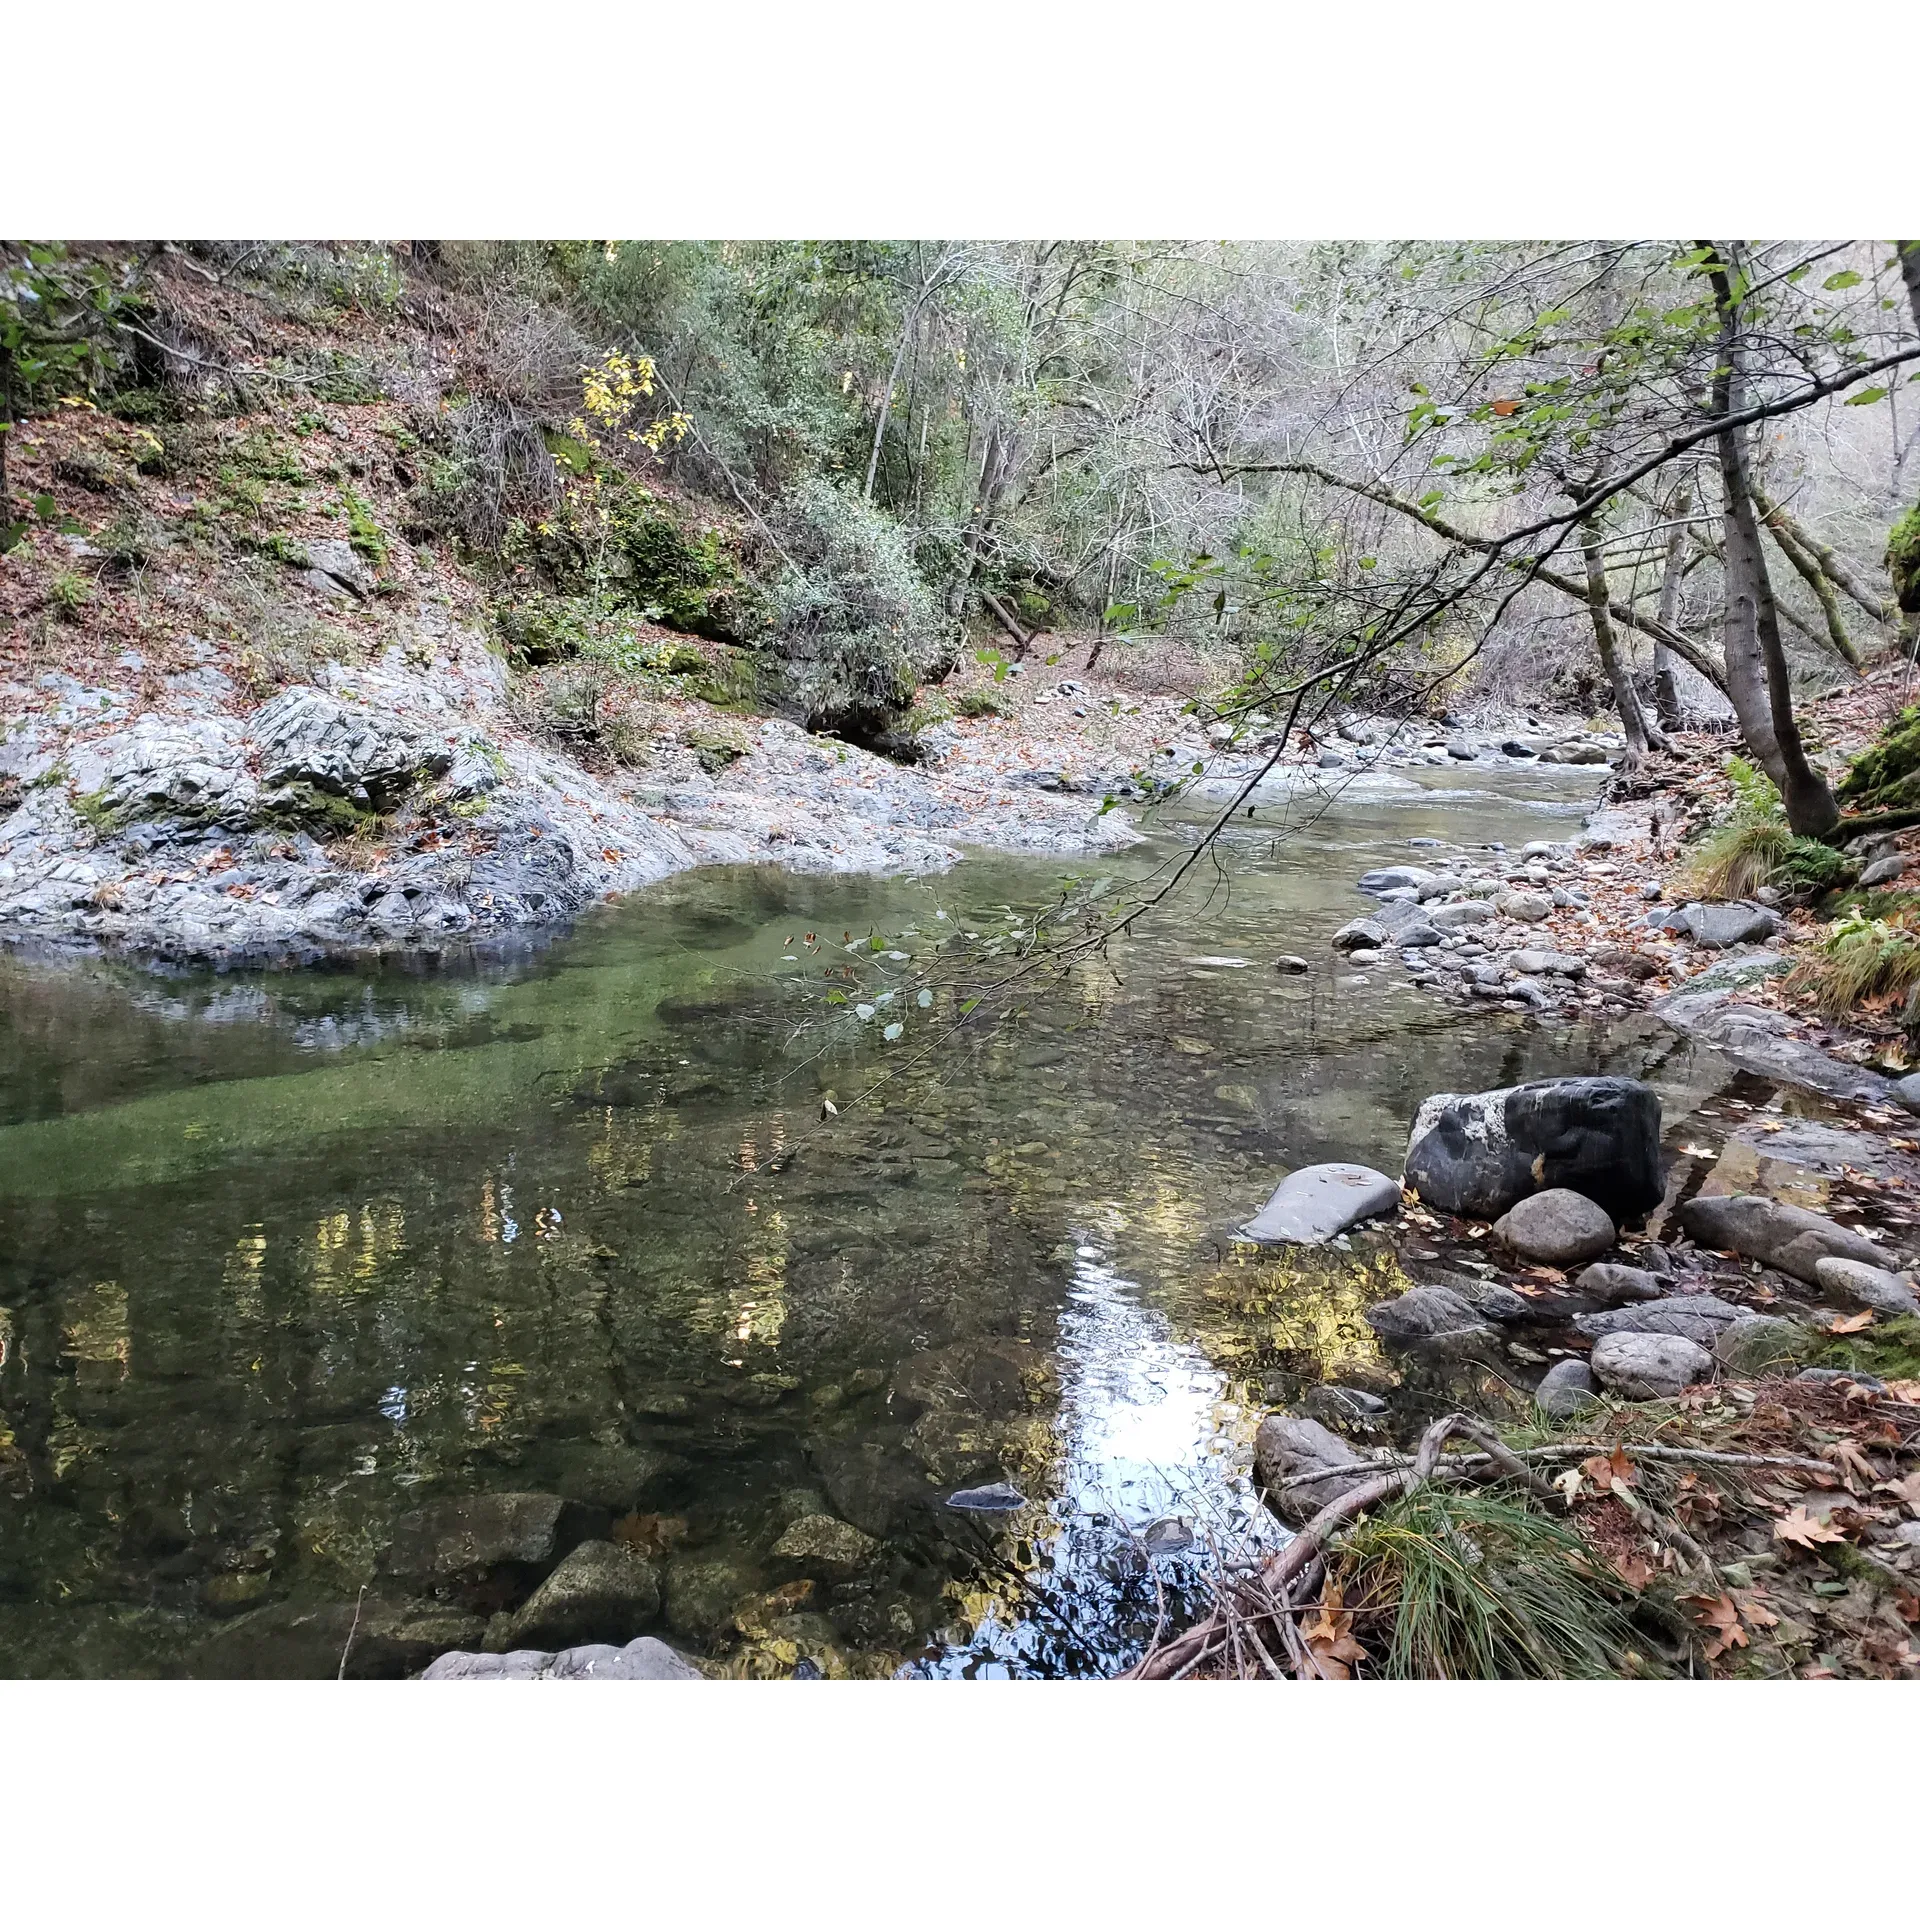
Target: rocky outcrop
(1558, 1228)
(641, 1659)
(1757, 1038)
(1649, 1366)
(1319, 1203)
(308, 739)
(1792, 1239)
(1479, 1153)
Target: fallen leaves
(1802, 1529)
(1332, 1651)
(1853, 1323)
(1729, 1614)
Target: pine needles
(1480, 1587)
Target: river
(285, 1255)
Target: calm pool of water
(283, 1256)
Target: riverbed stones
(478, 1533)
(819, 1540)
(1284, 1446)
(1853, 1283)
(1566, 1391)
(640, 1659)
(1479, 1153)
(600, 1591)
(1558, 1228)
(1792, 1239)
(1452, 915)
(1317, 1203)
(1611, 1284)
(1514, 904)
(295, 1641)
(1346, 1406)
(1649, 1366)
(1699, 1317)
(1393, 879)
(702, 1592)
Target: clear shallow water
(283, 1256)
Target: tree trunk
(1823, 556)
(1666, 690)
(1909, 251)
(996, 471)
(1640, 737)
(1756, 661)
(6, 434)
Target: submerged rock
(1479, 1153)
(1423, 1315)
(998, 1497)
(1316, 1204)
(1558, 1228)
(1649, 1366)
(1756, 1038)
(599, 1591)
(820, 1540)
(642, 1659)
(291, 1641)
(462, 1537)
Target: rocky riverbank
(1690, 1331)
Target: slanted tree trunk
(996, 473)
(1756, 660)
(1666, 690)
(1641, 737)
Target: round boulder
(1558, 1228)
(1567, 1390)
(1648, 1366)
(1853, 1283)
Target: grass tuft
(1481, 1587)
(1860, 961)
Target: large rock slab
(600, 1591)
(1558, 1228)
(292, 1641)
(1318, 1203)
(1285, 1446)
(1648, 1366)
(1757, 1039)
(1479, 1153)
(641, 1659)
(1789, 1238)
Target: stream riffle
(284, 1256)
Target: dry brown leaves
(1332, 1651)
(1728, 1614)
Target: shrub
(978, 703)
(1860, 961)
(852, 619)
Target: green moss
(327, 814)
(1903, 559)
(714, 749)
(363, 533)
(1884, 776)
(1891, 1351)
(95, 811)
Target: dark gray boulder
(1284, 1446)
(1777, 1235)
(1610, 1284)
(1649, 1366)
(1490, 1299)
(600, 1591)
(1479, 1153)
(1318, 1203)
(1567, 1390)
(1557, 1228)
(1392, 879)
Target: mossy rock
(1885, 775)
(325, 815)
(1890, 1351)
(1903, 560)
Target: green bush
(979, 703)
(853, 621)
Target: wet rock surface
(1319, 1203)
